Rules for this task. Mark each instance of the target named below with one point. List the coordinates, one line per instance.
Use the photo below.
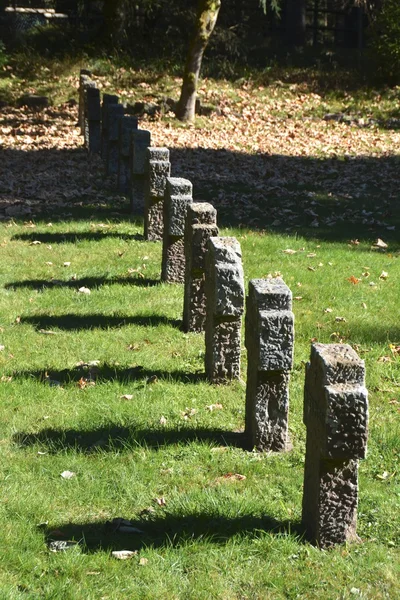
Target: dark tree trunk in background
(115, 20)
(206, 18)
(296, 22)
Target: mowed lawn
(106, 386)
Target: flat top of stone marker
(115, 108)
(157, 153)
(270, 285)
(201, 207)
(226, 243)
(337, 353)
(179, 186)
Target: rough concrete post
(224, 308)
(178, 194)
(201, 224)
(269, 338)
(140, 141)
(336, 417)
(114, 113)
(107, 99)
(88, 84)
(84, 76)
(92, 120)
(158, 168)
(126, 125)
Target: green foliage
(3, 57)
(386, 41)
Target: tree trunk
(206, 18)
(296, 22)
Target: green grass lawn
(75, 396)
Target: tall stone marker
(158, 168)
(178, 195)
(107, 99)
(114, 113)
(126, 125)
(224, 287)
(336, 417)
(84, 77)
(269, 338)
(92, 120)
(201, 224)
(140, 141)
(87, 85)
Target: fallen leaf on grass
(395, 349)
(2, 347)
(35, 243)
(328, 310)
(160, 501)
(127, 397)
(152, 379)
(379, 244)
(311, 268)
(84, 290)
(212, 407)
(84, 383)
(384, 275)
(363, 305)
(384, 359)
(47, 332)
(67, 264)
(163, 420)
(298, 298)
(354, 242)
(340, 320)
(353, 280)
(123, 554)
(231, 477)
(68, 474)
(143, 561)
(289, 251)
(133, 347)
(188, 413)
(61, 545)
(311, 255)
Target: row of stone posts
(210, 267)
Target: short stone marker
(140, 141)
(336, 417)
(92, 120)
(88, 84)
(114, 113)
(107, 99)
(84, 77)
(178, 194)
(126, 125)
(158, 168)
(201, 224)
(269, 339)
(224, 287)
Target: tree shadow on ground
(103, 373)
(332, 199)
(89, 282)
(73, 237)
(114, 437)
(170, 530)
(72, 322)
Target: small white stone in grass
(84, 290)
(68, 474)
(123, 554)
(1, 347)
(67, 264)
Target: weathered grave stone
(126, 125)
(107, 99)
(178, 194)
(140, 141)
(158, 168)
(269, 338)
(224, 287)
(201, 224)
(84, 76)
(114, 113)
(88, 84)
(92, 120)
(336, 418)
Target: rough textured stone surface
(107, 99)
(269, 339)
(87, 85)
(224, 285)
(177, 197)
(158, 168)
(84, 77)
(126, 125)
(201, 224)
(92, 120)
(140, 141)
(336, 417)
(115, 113)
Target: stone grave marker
(269, 339)
(114, 113)
(201, 224)
(140, 141)
(84, 77)
(126, 125)
(178, 195)
(158, 168)
(92, 120)
(107, 99)
(336, 418)
(224, 285)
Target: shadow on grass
(104, 373)
(89, 282)
(171, 531)
(73, 237)
(114, 437)
(71, 322)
